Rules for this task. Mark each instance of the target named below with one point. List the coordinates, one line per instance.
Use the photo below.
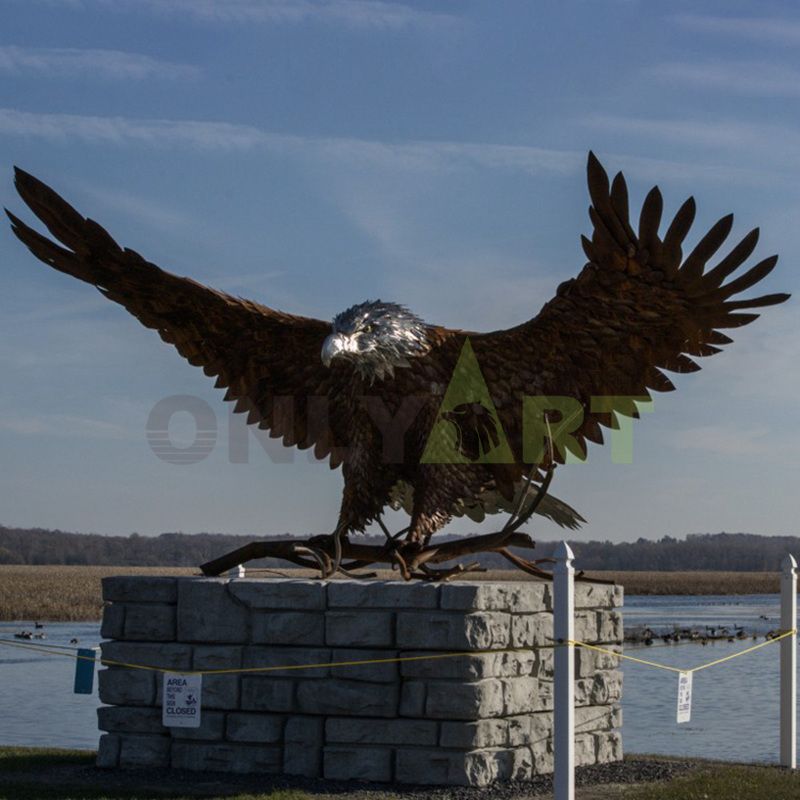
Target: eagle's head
(376, 338)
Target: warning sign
(181, 700)
(684, 696)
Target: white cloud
(761, 143)
(105, 64)
(356, 14)
(775, 30)
(738, 77)
(62, 425)
(421, 155)
(414, 155)
(146, 209)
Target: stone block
(472, 735)
(352, 730)
(518, 597)
(288, 627)
(586, 626)
(280, 594)
(543, 757)
(261, 693)
(587, 662)
(108, 751)
(359, 628)
(126, 687)
(591, 719)
(545, 666)
(470, 667)
(217, 656)
(476, 700)
(264, 728)
(338, 697)
(530, 729)
(382, 594)
(211, 728)
(585, 754)
(288, 656)
(113, 625)
(302, 748)
(608, 746)
(452, 631)
(208, 614)
(597, 595)
(221, 691)
(412, 699)
(130, 719)
(532, 630)
(360, 764)
(609, 626)
(526, 695)
(381, 672)
(149, 622)
(175, 657)
(602, 688)
(142, 750)
(226, 757)
(443, 767)
(138, 588)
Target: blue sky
(314, 154)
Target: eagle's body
(366, 392)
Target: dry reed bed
(60, 593)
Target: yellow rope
(395, 660)
(237, 670)
(655, 664)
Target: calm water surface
(734, 714)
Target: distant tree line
(735, 552)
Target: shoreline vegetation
(58, 593)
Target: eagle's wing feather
(268, 360)
(637, 308)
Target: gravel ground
(635, 769)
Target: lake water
(734, 713)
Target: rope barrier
(585, 645)
(46, 650)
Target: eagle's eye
(368, 328)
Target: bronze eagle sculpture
(368, 390)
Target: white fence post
(564, 689)
(789, 663)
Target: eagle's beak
(335, 344)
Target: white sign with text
(684, 696)
(181, 700)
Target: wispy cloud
(414, 155)
(775, 30)
(148, 210)
(225, 136)
(62, 425)
(105, 64)
(356, 14)
(765, 142)
(737, 77)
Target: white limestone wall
(469, 720)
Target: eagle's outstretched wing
(637, 308)
(268, 361)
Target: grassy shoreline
(54, 774)
(73, 593)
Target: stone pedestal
(468, 720)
